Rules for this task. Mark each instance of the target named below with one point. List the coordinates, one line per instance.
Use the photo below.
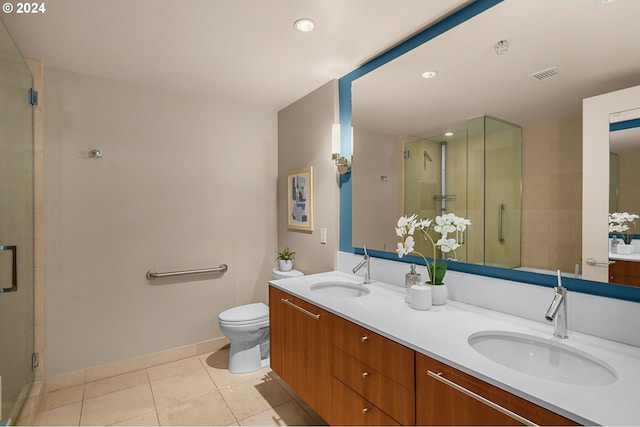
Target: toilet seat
(245, 315)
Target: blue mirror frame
(609, 290)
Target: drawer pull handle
(364, 338)
(365, 374)
(297, 307)
(365, 410)
(481, 399)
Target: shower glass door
(16, 230)
(495, 188)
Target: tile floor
(194, 391)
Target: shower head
(427, 155)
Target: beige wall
(304, 139)
(552, 194)
(374, 199)
(184, 183)
(629, 183)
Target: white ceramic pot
(285, 265)
(439, 294)
(420, 297)
(625, 249)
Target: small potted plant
(285, 259)
(443, 225)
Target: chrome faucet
(557, 311)
(364, 263)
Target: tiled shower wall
(552, 194)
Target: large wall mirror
(522, 69)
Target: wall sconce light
(343, 163)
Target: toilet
(247, 328)
(277, 274)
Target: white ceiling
(241, 50)
(594, 44)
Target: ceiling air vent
(545, 74)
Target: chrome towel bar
(151, 274)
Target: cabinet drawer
(388, 395)
(442, 403)
(388, 357)
(349, 409)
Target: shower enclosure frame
(22, 141)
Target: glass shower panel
(16, 230)
(476, 192)
(503, 193)
(431, 189)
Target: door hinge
(406, 154)
(35, 361)
(33, 97)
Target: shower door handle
(501, 209)
(14, 269)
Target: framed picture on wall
(300, 199)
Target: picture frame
(300, 199)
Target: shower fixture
(427, 155)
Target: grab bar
(151, 274)
(501, 209)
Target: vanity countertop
(620, 257)
(442, 333)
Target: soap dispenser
(410, 279)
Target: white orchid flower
(424, 224)
(444, 225)
(406, 247)
(447, 245)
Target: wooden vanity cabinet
(300, 346)
(352, 376)
(374, 378)
(625, 273)
(442, 402)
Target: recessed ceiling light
(305, 25)
(429, 74)
(448, 134)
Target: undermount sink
(542, 358)
(340, 289)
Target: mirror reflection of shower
(476, 167)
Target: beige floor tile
(174, 368)
(318, 419)
(63, 397)
(63, 416)
(223, 378)
(216, 358)
(250, 398)
(207, 410)
(288, 414)
(118, 406)
(283, 384)
(117, 383)
(181, 388)
(150, 419)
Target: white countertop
(442, 333)
(620, 257)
